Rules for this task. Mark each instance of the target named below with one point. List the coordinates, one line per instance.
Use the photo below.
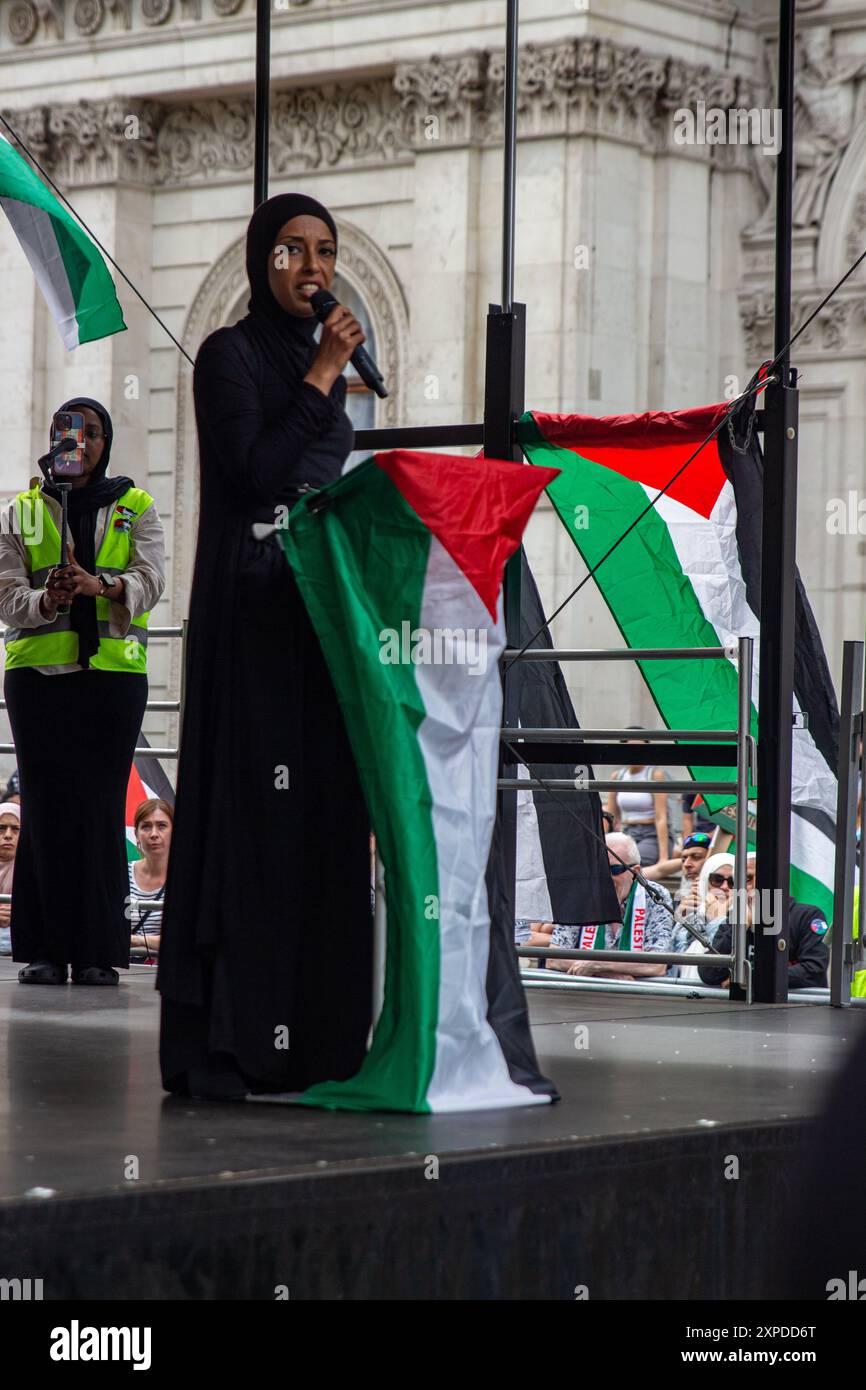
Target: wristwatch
(107, 581)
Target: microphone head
(323, 302)
(67, 444)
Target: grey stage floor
(80, 1093)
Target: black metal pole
(262, 100)
(503, 403)
(778, 561)
(509, 157)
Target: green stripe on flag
(645, 589)
(67, 264)
(345, 558)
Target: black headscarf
(83, 505)
(286, 339)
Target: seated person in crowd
(528, 933)
(10, 824)
(646, 925)
(808, 956)
(153, 825)
(705, 906)
(687, 864)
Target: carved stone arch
(368, 271)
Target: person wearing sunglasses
(808, 956)
(645, 924)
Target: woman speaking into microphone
(265, 965)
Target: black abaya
(267, 929)
(75, 737)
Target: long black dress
(267, 923)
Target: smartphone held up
(68, 424)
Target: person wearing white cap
(10, 825)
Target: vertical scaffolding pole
(262, 101)
(503, 402)
(778, 560)
(842, 952)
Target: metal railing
(847, 954)
(533, 743)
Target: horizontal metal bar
(657, 986)
(657, 735)
(151, 704)
(619, 654)
(151, 631)
(138, 753)
(611, 754)
(414, 436)
(595, 784)
(648, 957)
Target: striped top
(144, 910)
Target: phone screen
(68, 424)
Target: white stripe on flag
(459, 740)
(35, 231)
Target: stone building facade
(645, 263)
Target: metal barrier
(846, 953)
(169, 706)
(692, 747)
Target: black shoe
(43, 972)
(95, 975)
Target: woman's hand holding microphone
(341, 334)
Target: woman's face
(154, 833)
(9, 827)
(721, 883)
(302, 261)
(94, 444)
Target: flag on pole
(68, 266)
(147, 782)
(688, 575)
(400, 564)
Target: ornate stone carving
(584, 85)
(225, 7)
(23, 21)
(51, 14)
(88, 15)
(93, 142)
(838, 327)
(310, 127)
(156, 11)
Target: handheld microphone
(323, 302)
(64, 447)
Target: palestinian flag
(562, 865)
(688, 575)
(147, 782)
(68, 266)
(400, 564)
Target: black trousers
(75, 735)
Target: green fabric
(345, 558)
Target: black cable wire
(738, 400)
(48, 179)
(766, 380)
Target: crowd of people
(676, 896)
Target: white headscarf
(711, 865)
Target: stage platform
(111, 1190)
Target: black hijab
(287, 340)
(83, 505)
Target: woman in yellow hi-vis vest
(76, 688)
